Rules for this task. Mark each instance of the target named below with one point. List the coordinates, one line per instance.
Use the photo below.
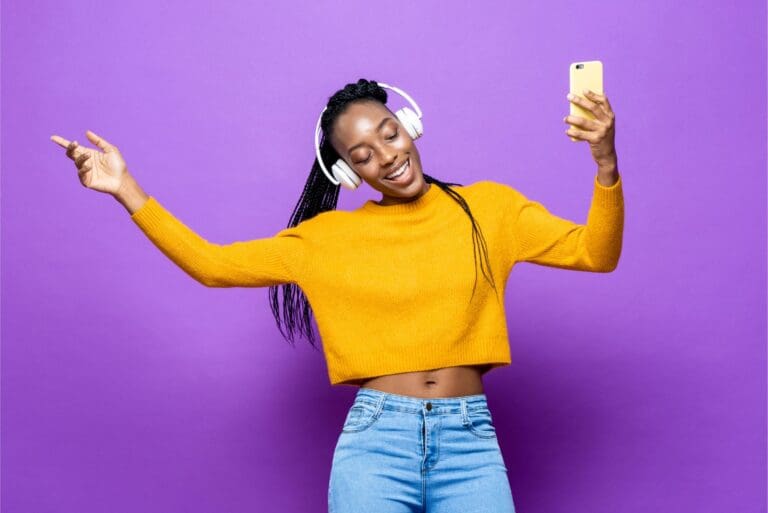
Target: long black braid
(320, 195)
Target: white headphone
(342, 172)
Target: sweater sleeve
(540, 237)
(252, 263)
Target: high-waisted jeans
(404, 454)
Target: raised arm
(259, 262)
(540, 237)
(254, 263)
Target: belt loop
(380, 404)
(464, 416)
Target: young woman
(394, 287)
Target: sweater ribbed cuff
(148, 216)
(611, 196)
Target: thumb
(98, 141)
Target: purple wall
(127, 386)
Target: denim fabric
(403, 454)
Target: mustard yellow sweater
(390, 286)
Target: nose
(389, 160)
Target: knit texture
(391, 287)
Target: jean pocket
(360, 416)
(480, 423)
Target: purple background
(127, 386)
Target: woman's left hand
(598, 132)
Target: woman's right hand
(101, 171)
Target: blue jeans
(403, 454)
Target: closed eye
(390, 138)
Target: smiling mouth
(401, 172)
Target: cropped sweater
(395, 288)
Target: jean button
(429, 406)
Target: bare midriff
(433, 383)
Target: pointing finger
(98, 141)
(60, 141)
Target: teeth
(397, 173)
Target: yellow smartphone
(585, 75)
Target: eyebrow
(378, 129)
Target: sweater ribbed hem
(356, 364)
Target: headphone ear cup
(344, 174)
(410, 120)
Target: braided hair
(320, 195)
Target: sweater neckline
(428, 198)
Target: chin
(411, 190)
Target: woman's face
(374, 143)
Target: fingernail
(587, 91)
(570, 96)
